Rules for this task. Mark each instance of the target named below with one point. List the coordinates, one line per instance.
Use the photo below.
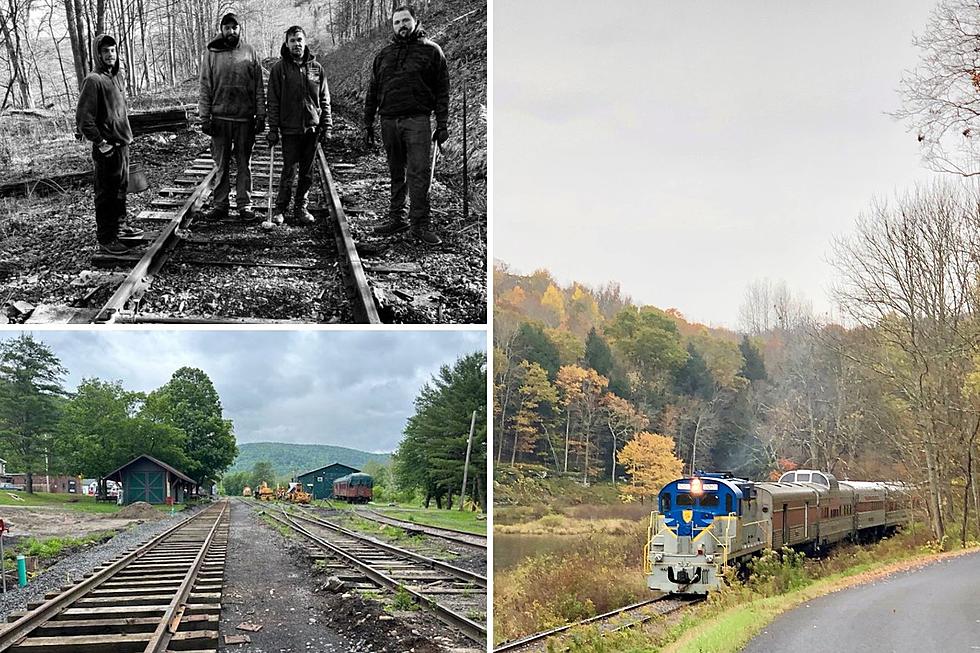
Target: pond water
(510, 549)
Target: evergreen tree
(598, 355)
(694, 378)
(533, 345)
(432, 454)
(754, 368)
(31, 396)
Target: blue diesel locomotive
(706, 521)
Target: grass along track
(456, 596)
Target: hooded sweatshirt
(299, 100)
(231, 83)
(409, 78)
(101, 113)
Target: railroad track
(195, 272)
(610, 622)
(163, 595)
(450, 534)
(456, 596)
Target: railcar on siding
(354, 488)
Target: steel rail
(365, 310)
(518, 644)
(20, 629)
(450, 534)
(470, 628)
(170, 621)
(155, 256)
(452, 570)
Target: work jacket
(409, 78)
(101, 114)
(299, 99)
(231, 83)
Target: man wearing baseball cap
(232, 111)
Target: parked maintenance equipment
(706, 521)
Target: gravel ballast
(72, 568)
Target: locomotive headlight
(658, 557)
(696, 487)
(709, 558)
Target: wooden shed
(319, 482)
(145, 478)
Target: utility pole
(466, 467)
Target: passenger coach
(707, 521)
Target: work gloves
(323, 135)
(272, 137)
(441, 135)
(207, 127)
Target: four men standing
(232, 111)
(409, 82)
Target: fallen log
(158, 120)
(44, 185)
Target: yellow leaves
(650, 463)
(580, 385)
(554, 302)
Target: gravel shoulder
(72, 568)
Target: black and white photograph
(252, 162)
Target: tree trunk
(568, 422)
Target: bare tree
(909, 275)
(941, 96)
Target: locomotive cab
(692, 533)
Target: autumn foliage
(650, 463)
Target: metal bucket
(137, 181)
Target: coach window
(710, 501)
(820, 479)
(802, 478)
(665, 503)
(685, 500)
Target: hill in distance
(289, 458)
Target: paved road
(932, 609)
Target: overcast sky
(686, 149)
(351, 389)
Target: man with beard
(102, 118)
(409, 82)
(299, 108)
(232, 111)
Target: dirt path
(44, 522)
(266, 586)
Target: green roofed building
(319, 482)
(145, 478)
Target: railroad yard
(260, 586)
(191, 270)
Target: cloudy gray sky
(686, 149)
(352, 389)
